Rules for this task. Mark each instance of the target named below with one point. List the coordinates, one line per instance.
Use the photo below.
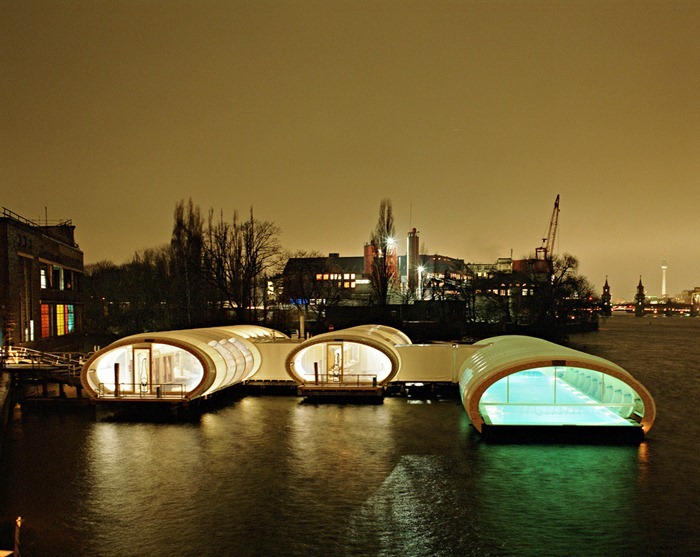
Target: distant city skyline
(471, 117)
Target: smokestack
(412, 259)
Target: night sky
(469, 116)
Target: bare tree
(384, 274)
(134, 297)
(187, 244)
(263, 252)
(238, 255)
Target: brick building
(41, 272)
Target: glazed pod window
(358, 356)
(516, 380)
(175, 364)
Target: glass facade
(358, 356)
(183, 364)
(342, 362)
(155, 369)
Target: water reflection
(565, 500)
(505, 500)
(273, 476)
(418, 510)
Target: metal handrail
(72, 361)
(141, 390)
(591, 404)
(344, 379)
(7, 213)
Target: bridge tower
(606, 300)
(639, 299)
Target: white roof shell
(372, 339)
(499, 357)
(225, 356)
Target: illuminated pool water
(543, 397)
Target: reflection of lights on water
(643, 458)
(643, 453)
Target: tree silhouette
(384, 270)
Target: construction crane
(547, 250)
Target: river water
(271, 475)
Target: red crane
(547, 250)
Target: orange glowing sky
(470, 116)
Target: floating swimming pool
(516, 380)
(544, 397)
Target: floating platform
(568, 434)
(340, 391)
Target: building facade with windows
(41, 276)
(314, 280)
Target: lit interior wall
(357, 362)
(358, 355)
(175, 370)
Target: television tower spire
(664, 266)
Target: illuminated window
(319, 276)
(60, 317)
(70, 318)
(45, 321)
(44, 273)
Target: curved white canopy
(355, 356)
(186, 363)
(518, 380)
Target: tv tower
(664, 266)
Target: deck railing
(70, 362)
(344, 379)
(139, 390)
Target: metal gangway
(19, 357)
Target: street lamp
(420, 281)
